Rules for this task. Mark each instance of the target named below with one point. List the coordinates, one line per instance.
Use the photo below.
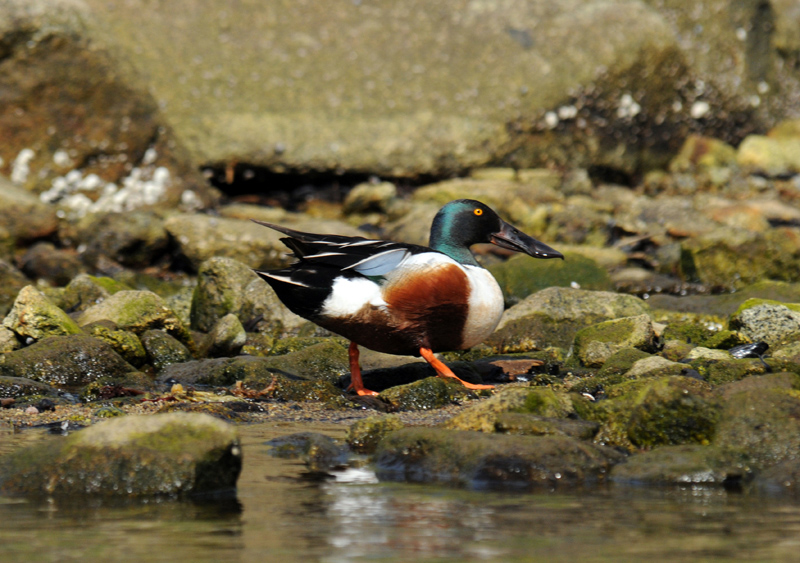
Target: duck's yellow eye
(478, 212)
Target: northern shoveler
(402, 298)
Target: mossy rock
(125, 343)
(762, 422)
(364, 435)
(717, 371)
(173, 454)
(684, 465)
(542, 401)
(596, 343)
(533, 425)
(480, 461)
(520, 276)
(34, 316)
(15, 387)
(66, 362)
(223, 411)
(319, 452)
(296, 343)
(727, 339)
(716, 308)
(85, 291)
(768, 321)
(163, 350)
(426, 394)
(138, 311)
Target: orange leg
(444, 372)
(356, 384)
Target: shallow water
(283, 513)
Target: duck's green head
(464, 222)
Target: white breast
(485, 306)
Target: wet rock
(533, 425)
(782, 479)
(720, 371)
(672, 410)
(163, 350)
(479, 461)
(595, 344)
(66, 362)
(784, 380)
(727, 340)
(381, 379)
(369, 197)
(327, 362)
(170, 454)
(764, 423)
(726, 304)
(84, 291)
(702, 353)
(22, 386)
(135, 239)
(364, 435)
(46, 262)
(541, 401)
(227, 337)
(767, 321)
(124, 343)
(683, 465)
(35, 317)
(553, 316)
(137, 311)
(22, 214)
(429, 393)
(11, 282)
(319, 452)
(653, 366)
(521, 276)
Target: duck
(399, 298)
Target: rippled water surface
(283, 513)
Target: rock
(727, 303)
(596, 343)
(773, 156)
(8, 340)
(135, 239)
(781, 480)
(173, 454)
(85, 291)
(369, 197)
(124, 343)
(553, 316)
(785, 381)
(201, 237)
(521, 275)
(21, 213)
(409, 373)
(767, 321)
(653, 366)
(699, 153)
(11, 282)
(413, 227)
(519, 114)
(163, 350)
(226, 286)
(719, 371)
(479, 461)
(22, 386)
(762, 423)
(541, 401)
(683, 465)
(327, 362)
(66, 362)
(319, 452)
(701, 353)
(46, 262)
(533, 425)
(227, 337)
(137, 311)
(672, 410)
(63, 79)
(36, 317)
(429, 393)
(364, 435)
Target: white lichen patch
(144, 186)
(21, 166)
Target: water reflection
(283, 513)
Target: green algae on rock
(596, 343)
(163, 349)
(428, 393)
(364, 435)
(130, 456)
(35, 316)
(480, 461)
